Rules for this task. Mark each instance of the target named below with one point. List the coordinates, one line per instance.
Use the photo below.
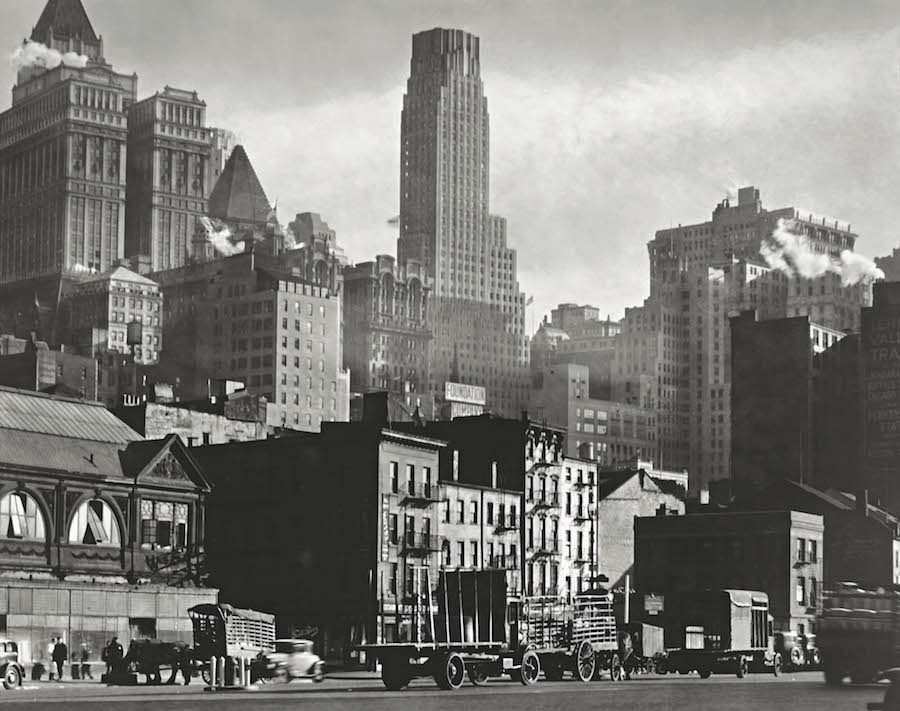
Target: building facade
(32, 365)
(773, 398)
(478, 312)
(273, 323)
(103, 532)
(62, 156)
(776, 552)
(386, 333)
(617, 431)
(97, 313)
(169, 147)
(674, 352)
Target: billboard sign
(468, 394)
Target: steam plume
(291, 241)
(790, 253)
(36, 54)
(221, 238)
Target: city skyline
(639, 155)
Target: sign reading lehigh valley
(881, 353)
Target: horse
(147, 656)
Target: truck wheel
(528, 673)
(394, 675)
(206, 676)
(478, 675)
(741, 668)
(585, 661)
(796, 657)
(776, 665)
(705, 673)
(815, 659)
(451, 672)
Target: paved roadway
(794, 692)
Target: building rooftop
(67, 18)
(122, 274)
(37, 413)
(238, 195)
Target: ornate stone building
(101, 532)
(386, 334)
(169, 148)
(62, 155)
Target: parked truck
(722, 632)
(858, 632)
(468, 626)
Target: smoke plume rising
(36, 54)
(790, 253)
(221, 238)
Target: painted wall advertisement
(881, 394)
(385, 525)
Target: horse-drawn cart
(226, 631)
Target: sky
(609, 119)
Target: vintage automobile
(12, 671)
(292, 659)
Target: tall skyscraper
(478, 311)
(62, 152)
(169, 149)
(674, 352)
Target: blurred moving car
(291, 659)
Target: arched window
(20, 517)
(387, 294)
(94, 524)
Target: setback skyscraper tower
(478, 312)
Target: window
(461, 512)
(813, 551)
(411, 478)
(568, 503)
(461, 554)
(513, 517)
(474, 548)
(473, 508)
(393, 527)
(410, 530)
(447, 512)
(395, 477)
(801, 590)
(94, 524)
(490, 513)
(163, 524)
(393, 579)
(20, 517)
(801, 550)
(813, 591)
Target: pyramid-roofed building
(65, 18)
(238, 197)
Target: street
(724, 693)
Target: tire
(12, 677)
(704, 673)
(206, 676)
(450, 672)
(585, 662)
(394, 675)
(530, 670)
(776, 665)
(796, 657)
(478, 676)
(741, 670)
(615, 668)
(815, 659)
(319, 673)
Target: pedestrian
(60, 654)
(50, 651)
(112, 655)
(85, 664)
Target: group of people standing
(59, 654)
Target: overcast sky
(609, 120)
